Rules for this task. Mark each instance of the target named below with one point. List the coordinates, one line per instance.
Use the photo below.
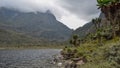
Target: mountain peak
(38, 25)
(48, 11)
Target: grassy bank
(104, 56)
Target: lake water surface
(38, 58)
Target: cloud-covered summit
(73, 13)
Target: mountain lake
(28, 58)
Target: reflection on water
(27, 58)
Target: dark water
(27, 58)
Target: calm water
(27, 58)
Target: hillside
(87, 28)
(83, 31)
(8, 37)
(37, 25)
(100, 47)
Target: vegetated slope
(8, 37)
(101, 49)
(38, 25)
(83, 31)
(87, 28)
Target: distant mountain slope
(10, 37)
(87, 28)
(83, 31)
(37, 25)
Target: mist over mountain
(87, 28)
(43, 26)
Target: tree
(97, 23)
(110, 8)
(94, 22)
(75, 40)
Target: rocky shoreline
(61, 62)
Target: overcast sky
(73, 13)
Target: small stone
(59, 64)
(80, 62)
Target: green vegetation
(11, 40)
(101, 48)
(75, 40)
(111, 8)
(106, 56)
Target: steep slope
(87, 28)
(83, 31)
(38, 25)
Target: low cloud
(85, 9)
(73, 13)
